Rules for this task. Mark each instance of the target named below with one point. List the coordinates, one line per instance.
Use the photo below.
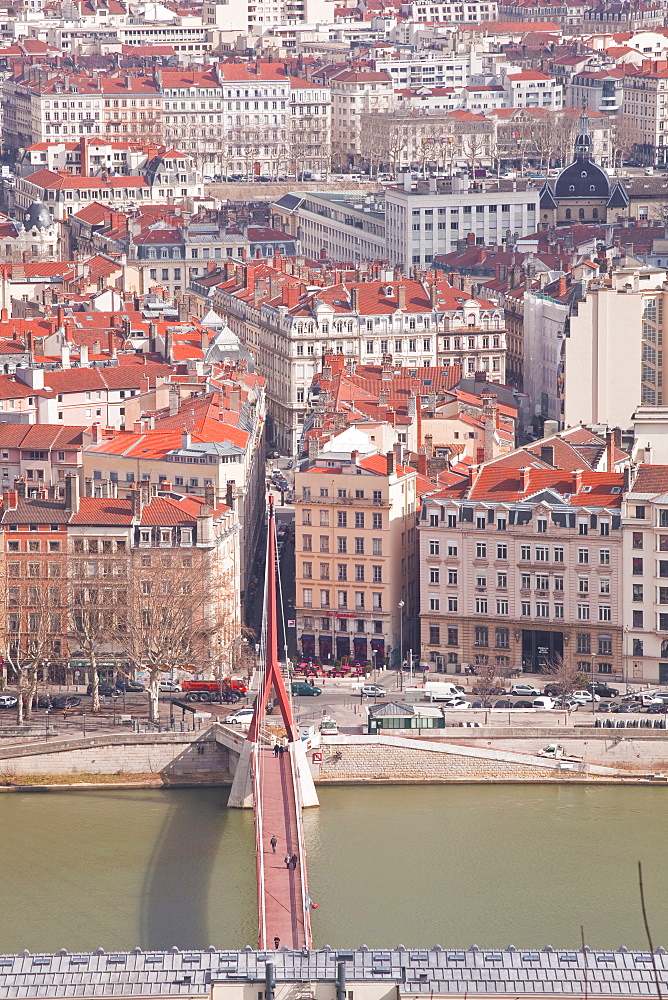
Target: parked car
(457, 703)
(603, 690)
(570, 704)
(8, 701)
(629, 706)
(658, 709)
(242, 717)
(523, 704)
(504, 703)
(105, 690)
(168, 686)
(126, 684)
(65, 701)
(552, 690)
(305, 690)
(373, 691)
(605, 706)
(585, 697)
(527, 690)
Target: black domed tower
(582, 192)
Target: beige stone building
(355, 538)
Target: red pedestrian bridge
(277, 785)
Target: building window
(604, 557)
(638, 647)
(558, 553)
(481, 635)
(583, 556)
(453, 636)
(637, 539)
(434, 548)
(434, 604)
(481, 605)
(502, 607)
(604, 613)
(605, 644)
(583, 642)
(452, 603)
(481, 550)
(502, 551)
(583, 612)
(526, 609)
(434, 635)
(502, 638)
(525, 553)
(637, 592)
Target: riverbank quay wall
(210, 757)
(329, 974)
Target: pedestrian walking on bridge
(273, 843)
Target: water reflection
(453, 865)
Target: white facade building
(425, 218)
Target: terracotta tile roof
(102, 510)
(651, 479)
(37, 511)
(40, 436)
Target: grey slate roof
(620, 973)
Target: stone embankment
(151, 758)
(210, 758)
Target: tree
(175, 620)
(491, 679)
(33, 616)
(565, 677)
(91, 626)
(624, 134)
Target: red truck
(233, 688)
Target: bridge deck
(282, 895)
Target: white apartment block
(426, 218)
(644, 107)
(354, 556)
(613, 356)
(531, 89)
(522, 571)
(427, 68)
(425, 11)
(645, 524)
(355, 93)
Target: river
(450, 865)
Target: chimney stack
(577, 475)
(391, 463)
(72, 492)
(401, 296)
(525, 474)
(610, 451)
(229, 492)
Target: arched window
(595, 213)
(568, 213)
(664, 647)
(581, 213)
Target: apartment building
(418, 325)
(212, 446)
(70, 106)
(425, 218)
(613, 359)
(532, 89)
(644, 107)
(355, 92)
(60, 552)
(347, 225)
(431, 68)
(645, 583)
(354, 556)
(310, 126)
(522, 566)
(426, 11)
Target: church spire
(583, 144)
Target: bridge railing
(306, 904)
(259, 841)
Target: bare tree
(487, 682)
(624, 134)
(91, 626)
(174, 621)
(565, 677)
(33, 616)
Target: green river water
(450, 865)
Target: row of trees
(156, 621)
(446, 141)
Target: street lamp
(401, 644)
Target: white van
(441, 691)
